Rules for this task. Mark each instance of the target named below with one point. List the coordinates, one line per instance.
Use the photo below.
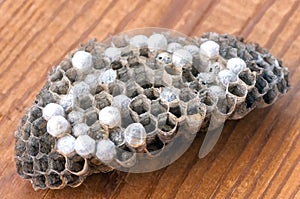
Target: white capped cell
(157, 42)
(236, 65)
(113, 53)
(135, 135)
(82, 60)
(85, 145)
(65, 144)
(52, 109)
(174, 46)
(80, 129)
(110, 116)
(121, 102)
(226, 76)
(67, 101)
(182, 57)
(209, 49)
(193, 49)
(138, 41)
(108, 76)
(57, 126)
(168, 94)
(106, 151)
(80, 89)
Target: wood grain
(256, 157)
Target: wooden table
(257, 157)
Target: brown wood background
(257, 157)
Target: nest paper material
(137, 93)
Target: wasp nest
(134, 93)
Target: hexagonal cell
(54, 180)
(57, 162)
(60, 87)
(178, 109)
(116, 135)
(20, 147)
(271, 95)
(238, 90)
(124, 74)
(177, 82)
(39, 181)
(45, 97)
(33, 146)
(126, 157)
(102, 100)
(46, 143)
(149, 122)
(77, 165)
(226, 105)
(41, 164)
(186, 94)
(196, 112)
(116, 88)
(28, 165)
(92, 81)
(84, 102)
(208, 99)
(75, 117)
(187, 75)
(55, 75)
(128, 118)
(144, 52)
(282, 86)
(26, 131)
(71, 74)
(247, 77)
(269, 76)
(196, 107)
(167, 126)
(140, 104)
(91, 116)
(144, 76)
(133, 89)
(96, 131)
(152, 93)
(34, 113)
(251, 100)
(278, 72)
(72, 180)
(254, 67)
(155, 146)
(162, 78)
(133, 60)
(261, 85)
(158, 107)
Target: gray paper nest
(134, 94)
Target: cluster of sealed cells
(107, 101)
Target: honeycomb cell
(54, 180)
(103, 99)
(149, 122)
(167, 125)
(39, 182)
(140, 104)
(56, 162)
(33, 146)
(28, 165)
(76, 164)
(158, 107)
(41, 164)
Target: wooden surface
(257, 157)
